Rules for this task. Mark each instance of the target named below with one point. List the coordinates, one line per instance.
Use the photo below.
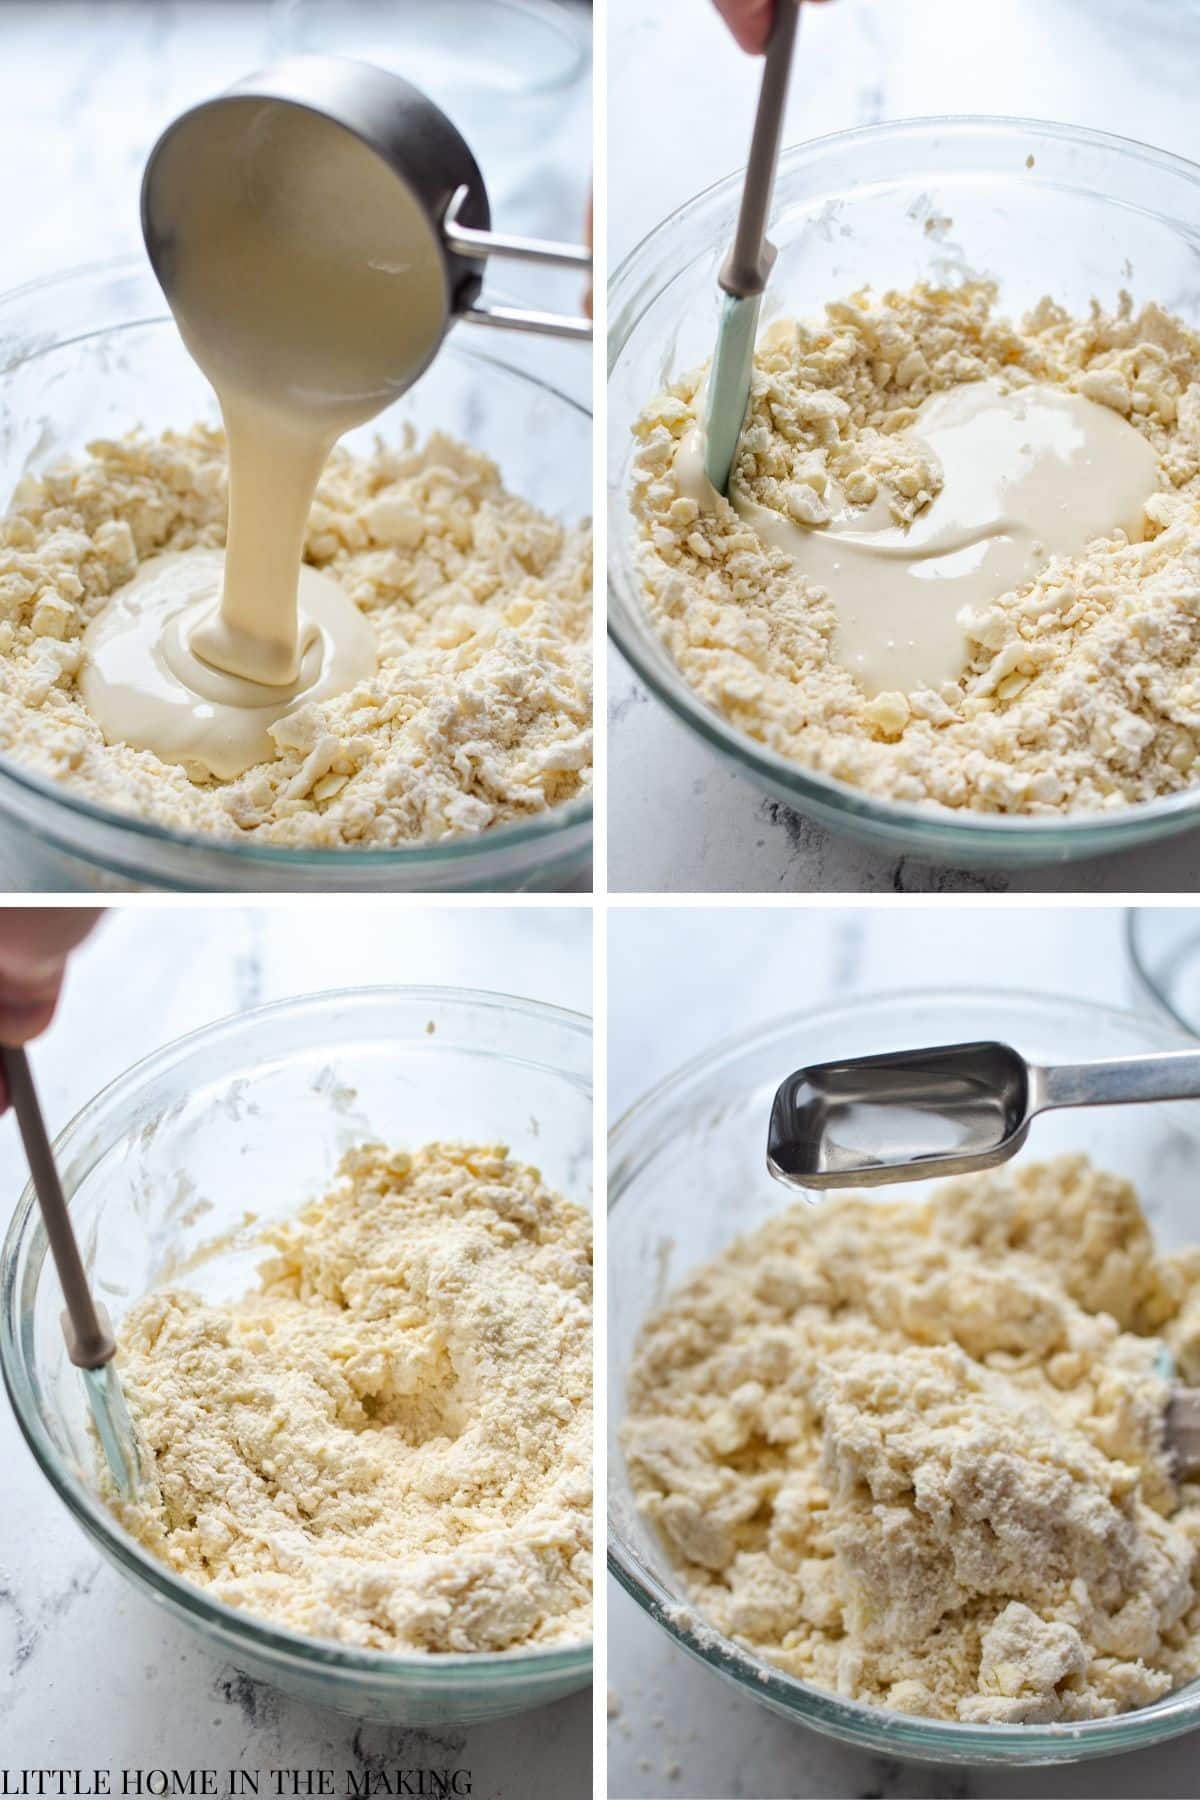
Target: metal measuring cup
(425, 151)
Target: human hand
(750, 21)
(35, 943)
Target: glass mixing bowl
(1091, 216)
(94, 353)
(1163, 944)
(256, 1112)
(687, 1174)
(506, 71)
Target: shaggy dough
(479, 713)
(913, 1451)
(389, 1443)
(1083, 690)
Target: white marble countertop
(672, 1710)
(92, 1675)
(680, 821)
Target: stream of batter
(307, 286)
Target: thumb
(35, 943)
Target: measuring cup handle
(468, 241)
(520, 318)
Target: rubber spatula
(745, 270)
(90, 1341)
(954, 1108)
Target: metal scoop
(439, 183)
(948, 1110)
(942, 1111)
(90, 1341)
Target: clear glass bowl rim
(465, 851)
(550, 16)
(989, 830)
(496, 1667)
(1148, 983)
(886, 1733)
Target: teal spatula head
(728, 394)
(114, 1428)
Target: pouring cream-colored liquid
(1027, 476)
(309, 287)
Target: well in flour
(388, 1442)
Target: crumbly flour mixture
(1083, 688)
(389, 1442)
(479, 713)
(913, 1451)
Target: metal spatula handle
(749, 262)
(90, 1341)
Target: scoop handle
(749, 262)
(90, 1341)
(1166, 1075)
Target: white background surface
(91, 1675)
(680, 980)
(681, 100)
